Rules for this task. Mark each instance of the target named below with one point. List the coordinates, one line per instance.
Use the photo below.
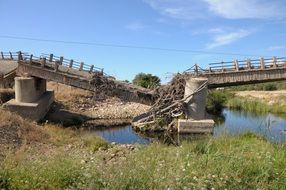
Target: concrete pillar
(32, 101)
(29, 89)
(196, 105)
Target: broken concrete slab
(195, 126)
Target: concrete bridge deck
(241, 72)
(80, 75)
(8, 67)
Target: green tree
(146, 80)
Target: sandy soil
(72, 102)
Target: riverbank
(78, 106)
(67, 160)
(48, 156)
(259, 101)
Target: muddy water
(232, 122)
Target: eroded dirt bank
(76, 105)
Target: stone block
(195, 126)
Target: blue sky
(238, 28)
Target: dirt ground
(76, 105)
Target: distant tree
(146, 80)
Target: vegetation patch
(256, 106)
(228, 162)
(270, 86)
(15, 130)
(6, 95)
(217, 100)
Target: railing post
(196, 69)
(61, 60)
(262, 63)
(236, 65)
(20, 57)
(56, 66)
(2, 55)
(81, 66)
(71, 63)
(91, 68)
(274, 62)
(44, 62)
(31, 59)
(248, 61)
(51, 58)
(11, 56)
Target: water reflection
(267, 125)
(122, 135)
(231, 122)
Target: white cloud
(225, 38)
(180, 9)
(240, 9)
(136, 26)
(229, 9)
(275, 48)
(216, 30)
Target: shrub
(269, 87)
(216, 100)
(146, 80)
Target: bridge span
(241, 72)
(33, 100)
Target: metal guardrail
(242, 65)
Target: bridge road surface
(7, 72)
(7, 66)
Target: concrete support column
(32, 100)
(196, 105)
(29, 89)
(196, 121)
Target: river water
(232, 122)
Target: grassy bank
(218, 99)
(269, 86)
(256, 106)
(245, 162)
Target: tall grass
(244, 162)
(270, 86)
(256, 106)
(216, 100)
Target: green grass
(243, 162)
(216, 100)
(270, 86)
(256, 106)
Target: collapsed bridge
(32, 98)
(185, 95)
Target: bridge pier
(32, 100)
(196, 118)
